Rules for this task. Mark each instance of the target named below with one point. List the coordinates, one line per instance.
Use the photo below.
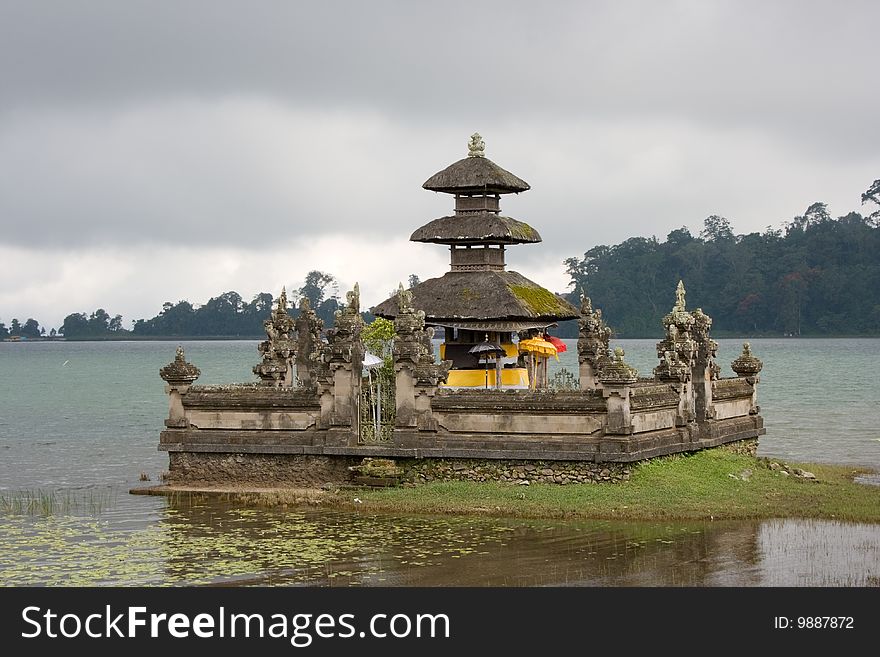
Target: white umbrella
(371, 360)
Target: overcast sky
(157, 151)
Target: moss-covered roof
(477, 228)
(481, 296)
(472, 175)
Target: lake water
(80, 422)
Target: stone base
(261, 470)
(257, 471)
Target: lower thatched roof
(480, 296)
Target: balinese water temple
(308, 422)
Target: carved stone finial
(746, 364)
(404, 299)
(476, 146)
(618, 371)
(179, 372)
(353, 298)
(586, 305)
(304, 304)
(679, 295)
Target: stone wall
(513, 472)
(314, 471)
(258, 470)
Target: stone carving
(344, 340)
(404, 299)
(279, 349)
(746, 364)
(593, 341)
(412, 341)
(677, 351)
(310, 347)
(617, 371)
(179, 372)
(353, 298)
(707, 348)
(406, 346)
(476, 146)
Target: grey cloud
(239, 123)
(785, 65)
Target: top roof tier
(475, 174)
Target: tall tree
(31, 328)
(75, 325)
(872, 195)
(716, 228)
(319, 287)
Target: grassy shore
(712, 484)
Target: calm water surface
(81, 421)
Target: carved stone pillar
(178, 375)
(345, 357)
(406, 350)
(417, 376)
(279, 350)
(705, 369)
(593, 340)
(616, 379)
(309, 346)
(677, 353)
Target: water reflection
(209, 543)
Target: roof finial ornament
(679, 295)
(476, 146)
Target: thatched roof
(480, 227)
(480, 296)
(475, 175)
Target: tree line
(226, 315)
(818, 275)
(30, 329)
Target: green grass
(40, 502)
(696, 486)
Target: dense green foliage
(228, 315)
(31, 329)
(820, 276)
(98, 324)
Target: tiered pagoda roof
(478, 293)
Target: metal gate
(378, 406)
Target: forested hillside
(817, 276)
